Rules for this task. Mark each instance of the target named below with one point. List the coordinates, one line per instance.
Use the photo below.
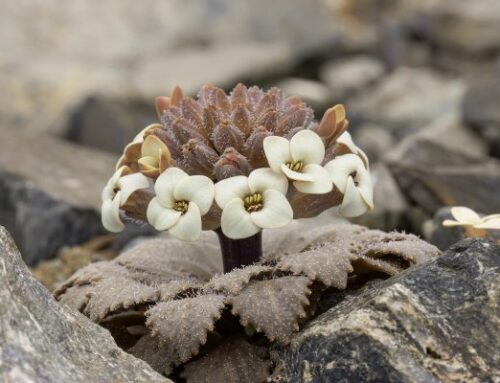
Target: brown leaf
(183, 325)
(273, 306)
(235, 361)
(328, 264)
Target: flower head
(252, 203)
(352, 179)
(300, 160)
(117, 193)
(180, 202)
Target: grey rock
(446, 165)
(42, 342)
(437, 322)
(375, 140)
(316, 94)
(349, 76)
(408, 100)
(391, 211)
(481, 112)
(50, 192)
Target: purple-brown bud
(230, 164)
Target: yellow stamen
(253, 202)
(181, 206)
(295, 166)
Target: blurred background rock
(420, 79)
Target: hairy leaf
(160, 358)
(117, 293)
(183, 325)
(77, 297)
(179, 288)
(273, 306)
(328, 264)
(235, 361)
(234, 281)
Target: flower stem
(239, 252)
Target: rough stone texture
(49, 192)
(446, 165)
(432, 323)
(481, 112)
(408, 99)
(41, 341)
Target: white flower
(180, 202)
(252, 203)
(349, 174)
(468, 217)
(116, 193)
(299, 159)
(346, 139)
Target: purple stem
(239, 252)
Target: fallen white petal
(353, 204)
(197, 189)
(130, 183)
(236, 222)
(450, 223)
(320, 184)
(264, 179)
(490, 224)
(276, 211)
(293, 175)
(277, 151)
(465, 215)
(188, 227)
(110, 215)
(165, 185)
(231, 188)
(308, 147)
(160, 217)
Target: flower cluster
(228, 161)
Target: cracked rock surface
(41, 341)
(436, 322)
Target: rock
(375, 140)
(41, 341)
(408, 100)
(50, 192)
(391, 210)
(318, 96)
(446, 165)
(349, 76)
(481, 112)
(432, 323)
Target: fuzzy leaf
(116, 293)
(77, 296)
(182, 287)
(327, 264)
(183, 325)
(273, 306)
(235, 361)
(234, 281)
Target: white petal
(341, 167)
(293, 175)
(188, 227)
(465, 215)
(110, 215)
(353, 204)
(161, 218)
(308, 147)
(450, 223)
(346, 139)
(165, 185)
(365, 185)
(488, 217)
(231, 188)
(264, 179)
(152, 146)
(321, 183)
(131, 183)
(277, 150)
(276, 211)
(197, 189)
(236, 222)
(490, 224)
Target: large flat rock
(43, 342)
(433, 323)
(50, 192)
